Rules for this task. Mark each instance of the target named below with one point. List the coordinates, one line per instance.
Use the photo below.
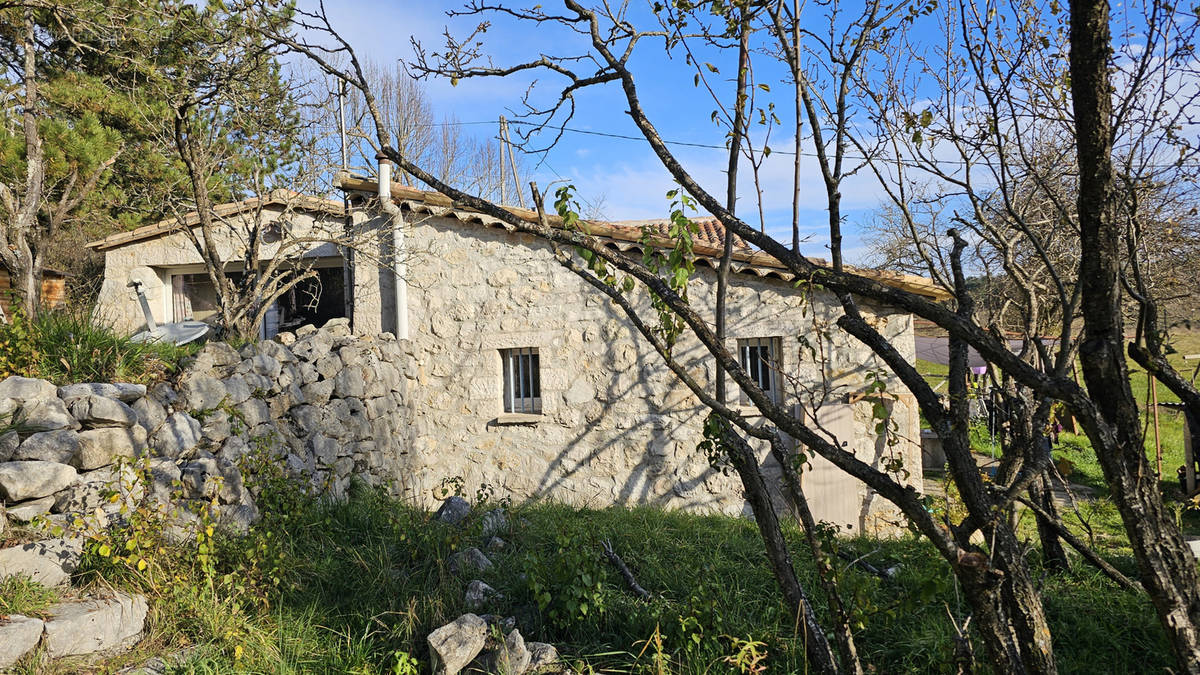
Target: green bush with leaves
(68, 345)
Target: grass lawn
(1101, 518)
(355, 586)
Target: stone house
(523, 378)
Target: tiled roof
(285, 198)
(625, 237)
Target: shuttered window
(522, 380)
(760, 358)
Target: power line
(707, 146)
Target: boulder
(494, 522)
(48, 562)
(8, 445)
(18, 636)
(453, 511)
(478, 594)
(541, 655)
(200, 391)
(237, 390)
(350, 382)
(511, 657)
(260, 364)
(86, 494)
(47, 415)
(328, 366)
(150, 413)
(49, 446)
(27, 511)
(99, 411)
(216, 355)
(496, 544)
(20, 481)
(101, 447)
(27, 389)
(456, 644)
(127, 393)
(217, 426)
(176, 436)
(95, 625)
(469, 560)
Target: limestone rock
(99, 411)
(453, 511)
(494, 522)
(469, 560)
(27, 511)
(100, 447)
(95, 625)
(20, 481)
(86, 494)
(216, 355)
(127, 393)
(496, 544)
(260, 364)
(350, 382)
(478, 594)
(18, 636)
(511, 657)
(49, 446)
(217, 427)
(177, 435)
(456, 644)
(8, 445)
(200, 391)
(48, 414)
(27, 389)
(541, 655)
(237, 390)
(150, 413)
(48, 562)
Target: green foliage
(355, 586)
(66, 346)
(20, 595)
(565, 581)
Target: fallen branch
(862, 564)
(1087, 553)
(625, 573)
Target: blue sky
(622, 179)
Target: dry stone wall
(325, 406)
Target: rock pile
(63, 443)
(484, 643)
(326, 404)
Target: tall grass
(68, 345)
(356, 586)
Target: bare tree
(831, 85)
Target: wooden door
(833, 495)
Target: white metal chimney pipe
(399, 252)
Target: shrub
(68, 345)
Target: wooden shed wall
(54, 291)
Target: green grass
(20, 595)
(65, 345)
(350, 587)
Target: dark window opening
(522, 380)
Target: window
(760, 359)
(522, 381)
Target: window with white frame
(522, 380)
(760, 358)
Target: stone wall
(324, 405)
(616, 426)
